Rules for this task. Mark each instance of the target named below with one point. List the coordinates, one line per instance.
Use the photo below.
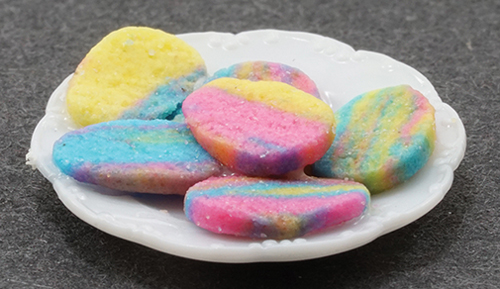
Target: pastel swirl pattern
(134, 72)
(155, 156)
(270, 71)
(383, 138)
(263, 128)
(271, 208)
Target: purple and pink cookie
(263, 128)
(270, 71)
(155, 156)
(383, 137)
(270, 208)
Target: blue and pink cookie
(134, 72)
(147, 156)
(263, 128)
(269, 71)
(271, 208)
(383, 138)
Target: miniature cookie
(271, 208)
(383, 137)
(263, 70)
(148, 156)
(134, 72)
(262, 128)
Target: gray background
(454, 43)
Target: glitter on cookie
(383, 137)
(155, 156)
(259, 128)
(270, 208)
(270, 71)
(134, 72)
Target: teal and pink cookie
(383, 138)
(270, 71)
(156, 156)
(263, 128)
(270, 208)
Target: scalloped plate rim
(308, 247)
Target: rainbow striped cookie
(270, 208)
(147, 156)
(262, 128)
(270, 71)
(134, 72)
(383, 137)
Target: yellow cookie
(134, 72)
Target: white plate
(340, 73)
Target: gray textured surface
(456, 44)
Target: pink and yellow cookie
(262, 128)
(146, 156)
(134, 72)
(383, 137)
(270, 71)
(270, 208)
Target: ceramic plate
(341, 73)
